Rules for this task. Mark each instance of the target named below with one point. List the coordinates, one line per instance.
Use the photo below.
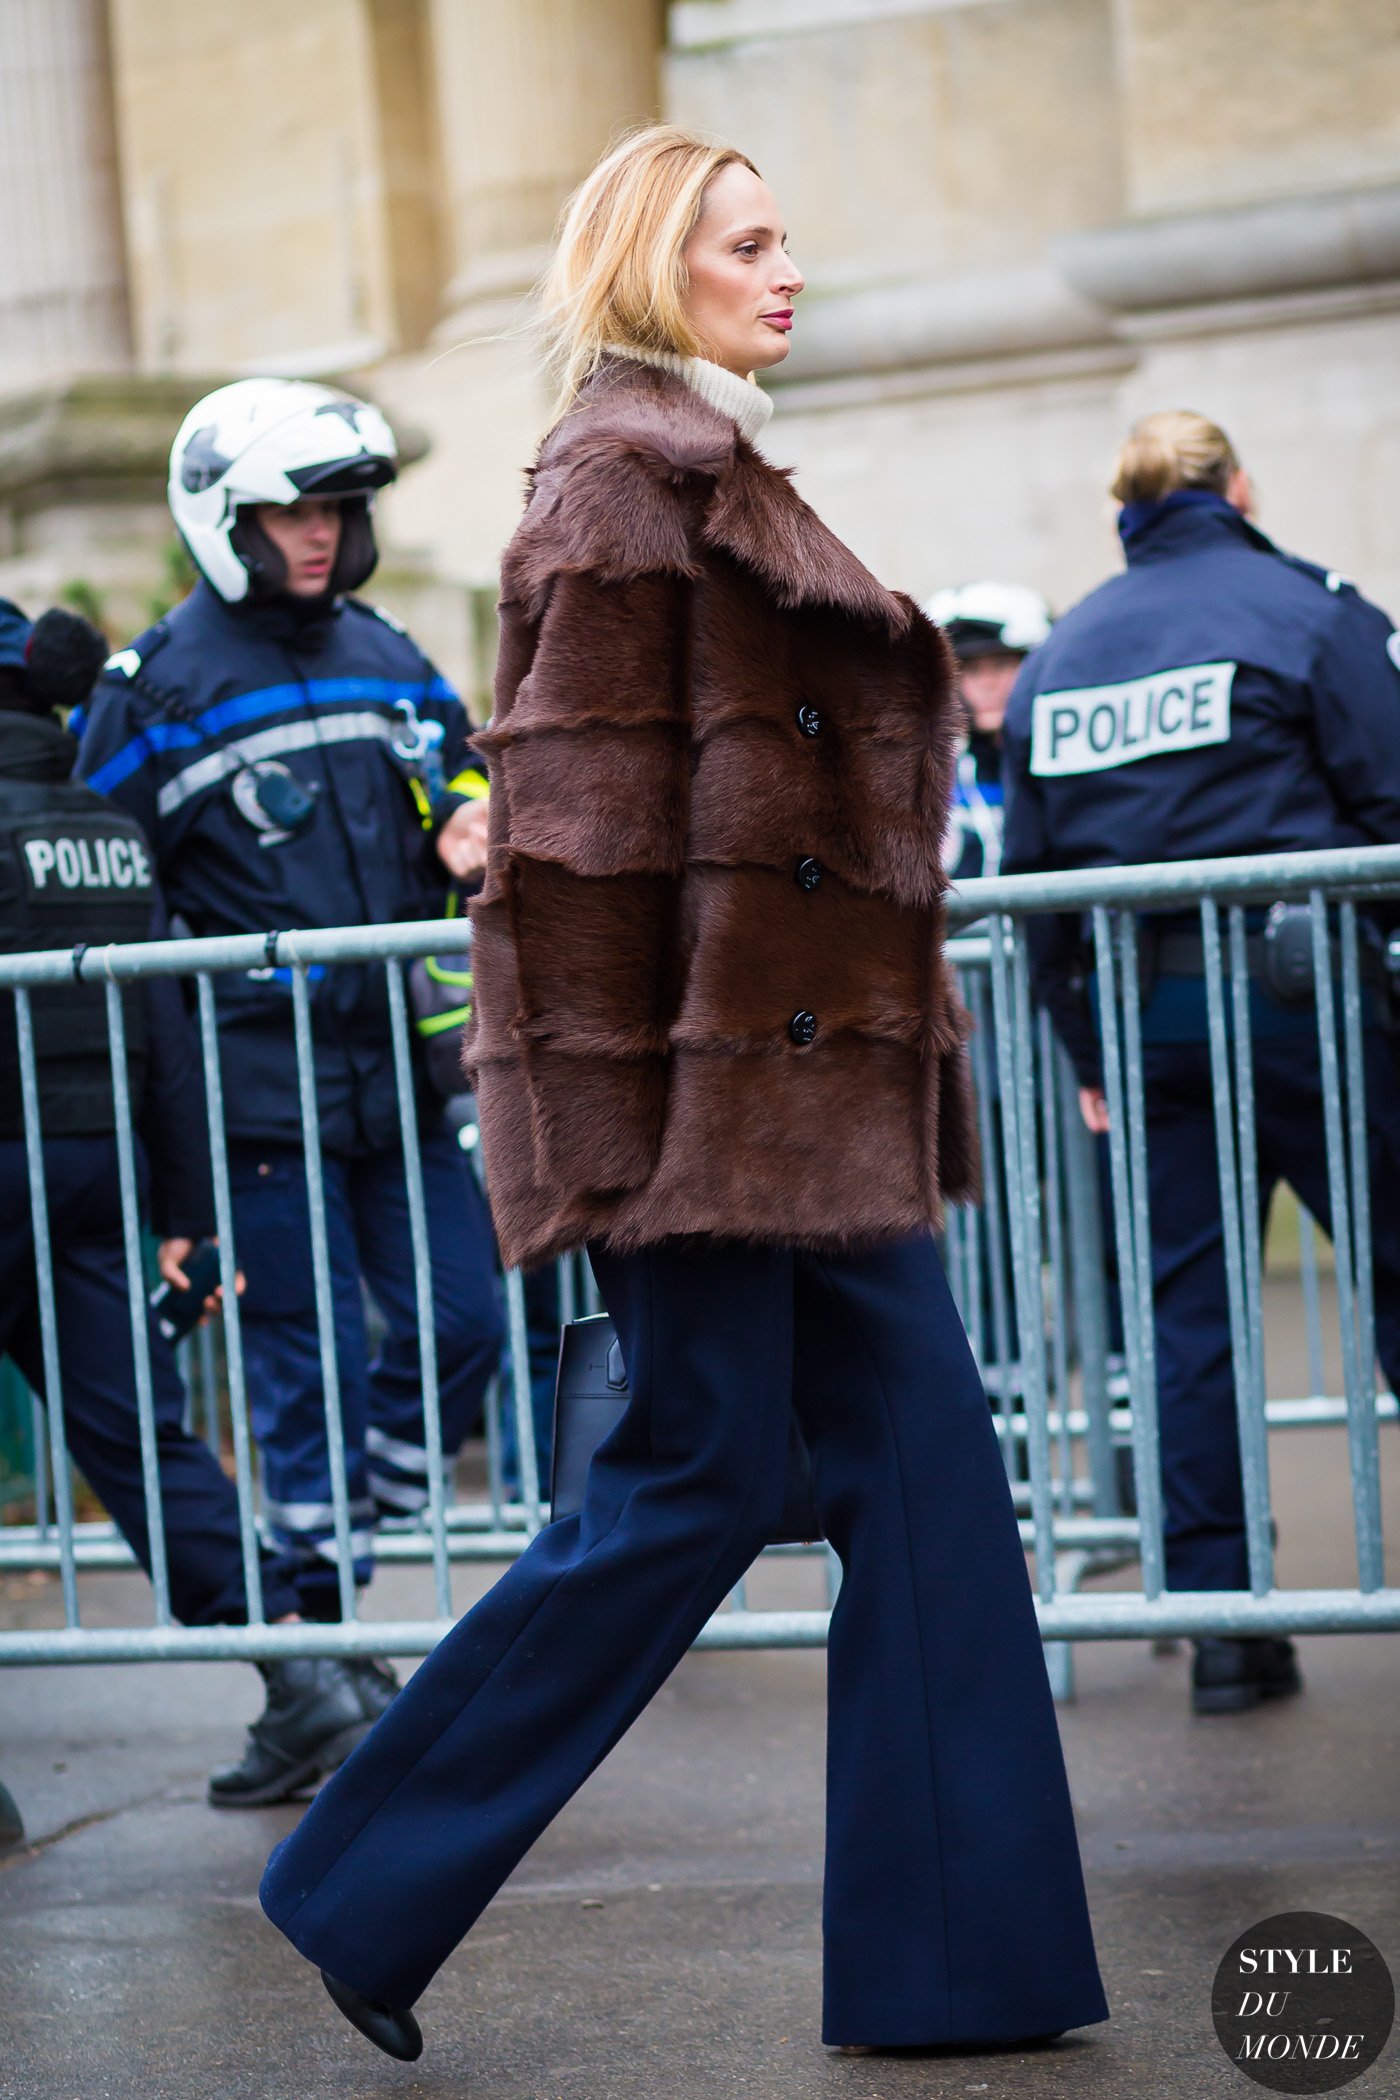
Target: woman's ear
(1239, 490)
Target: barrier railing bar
(526, 1455)
(1023, 1216)
(993, 1170)
(1035, 1397)
(1360, 870)
(1089, 1283)
(568, 1290)
(48, 1311)
(1223, 1098)
(1363, 1444)
(136, 1300)
(1252, 1418)
(1369, 1571)
(1075, 1617)
(321, 1283)
(1146, 1402)
(1145, 1484)
(592, 1296)
(1055, 1249)
(232, 1311)
(423, 1282)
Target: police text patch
(1098, 726)
(83, 859)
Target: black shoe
(376, 1682)
(1232, 1674)
(313, 1719)
(396, 2033)
(11, 1822)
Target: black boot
(396, 2033)
(11, 1822)
(313, 1719)
(376, 1682)
(1232, 1674)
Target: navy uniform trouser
(97, 1371)
(954, 1906)
(1202, 1490)
(369, 1243)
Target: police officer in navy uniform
(992, 628)
(298, 762)
(1219, 697)
(74, 869)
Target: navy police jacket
(263, 750)
(73, 869)
(1219, 697)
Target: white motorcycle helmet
(986, 619)
(275, 441)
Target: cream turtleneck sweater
(745, 403)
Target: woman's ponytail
(1173, 449)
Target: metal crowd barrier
(1077, 1417)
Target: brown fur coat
(672, 615)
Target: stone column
(529, 95)
(63, 306)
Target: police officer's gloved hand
(62, 660)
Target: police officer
(1220, 697)
(74, 869)
(297, 762)
(992, 628)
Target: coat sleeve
(117, 752)
(173, 1126)
(589, 759)
(1356, 708)
(1054, 940)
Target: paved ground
(663, 1938)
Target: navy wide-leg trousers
(954, 1908)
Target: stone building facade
(1022, 222)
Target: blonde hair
(618, 271)
(1173, 449)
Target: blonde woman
(718, 1045)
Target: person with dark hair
(296, 761)
(75, 869)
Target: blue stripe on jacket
(244, 708)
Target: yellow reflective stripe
(471, 783)
(440, 976)
(423, 800)
(438, 1024)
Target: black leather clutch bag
(590, 1397)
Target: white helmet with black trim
(275, 441)
(990, 619)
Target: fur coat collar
(603, 499)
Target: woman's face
(742, 281)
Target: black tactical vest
(73, 869)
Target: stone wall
(1026, 221)
(1022, 222)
